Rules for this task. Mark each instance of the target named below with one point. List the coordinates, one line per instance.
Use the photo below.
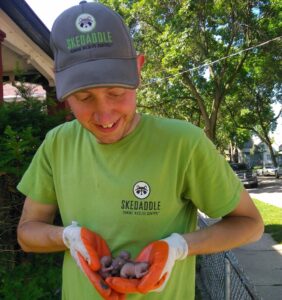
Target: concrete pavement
(262, 264)
(274, 198)
(269, 191)
(262, 260)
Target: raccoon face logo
(85, 23)
(141, 190)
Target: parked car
(246, 174)
(278, 172)
(269, 169)
(258, 170)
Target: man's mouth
(108, 125)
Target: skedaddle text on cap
(94, 38)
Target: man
(122, 180)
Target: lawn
(272, 217)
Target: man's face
(109, 113)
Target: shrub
(36, 278)
(23, 126)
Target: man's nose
(103, 112)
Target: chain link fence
(220, 276)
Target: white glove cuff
(68, 233)
(179, 244)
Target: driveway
(269, 190)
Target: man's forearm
(226, 234)
(40, 237)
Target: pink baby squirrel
(122, 266)
(134, 270)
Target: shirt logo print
(141, 190)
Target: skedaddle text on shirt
(138, 205)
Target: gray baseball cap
(92, 48)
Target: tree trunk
(273, 158)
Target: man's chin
(107, 140)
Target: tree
(255, 114)
(259, 86)
(180, 36)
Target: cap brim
(97, 73)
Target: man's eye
(85, 99)
(115, 95)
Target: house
(11, 93)
(245, 153)
(257, 154)
(24, 46)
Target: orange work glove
(87, 247)
(98, 282)
(161, 256)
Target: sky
(48, 11)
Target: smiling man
(122, 180)
(109, 113)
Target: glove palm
(87, 247)
(161, 256)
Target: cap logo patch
(85, 23)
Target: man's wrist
(179, 243)
(69, 233)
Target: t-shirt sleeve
(213, 186)
(37, 182)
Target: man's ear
(140, 62)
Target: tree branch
(186, 80)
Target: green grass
(272, 217)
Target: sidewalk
(262, 264)
(270, 198)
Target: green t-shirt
(138, 190)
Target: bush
(23, 126)
(36, 278)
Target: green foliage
(38, 278)
(17, 149)
(178, 37)
(23, 126)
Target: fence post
(227, 279)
